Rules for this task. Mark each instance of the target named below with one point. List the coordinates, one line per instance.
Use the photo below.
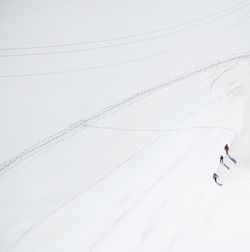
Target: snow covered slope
(114, 117)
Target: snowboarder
(226, 148)
(221, 159)
(215, 177)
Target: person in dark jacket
(221, 159)
(222, 162)
(215, 177)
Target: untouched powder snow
(114, 117)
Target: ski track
(128, 36)
(165, 130)
(150, 91)
(177, 234)
(162, 177)
(112, 171)
(172, 242)
(115, 169)
(112, 137)
(127, 43)
(153, 222)
(222, 74)
(95, 67)
(86, 123)
(112, 108)
(145, 193)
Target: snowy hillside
(114, 117)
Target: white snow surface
(113, 119)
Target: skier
(215, 177)
(226, 148)
(222, 162)
(221, 159)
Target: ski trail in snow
(172, 242)
(80, 69)
(28, 231)
(115, 135)
(143, 195)
(146, 192)
(153, 222)
(108, 174)
(52, 139)
(112, 171)
(130, 42)
(178, 234)
(81, 192)
(244, 3)
(162, 130)
(222, 74)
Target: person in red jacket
(226, 148)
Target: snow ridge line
(112, 108)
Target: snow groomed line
(111, 109)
